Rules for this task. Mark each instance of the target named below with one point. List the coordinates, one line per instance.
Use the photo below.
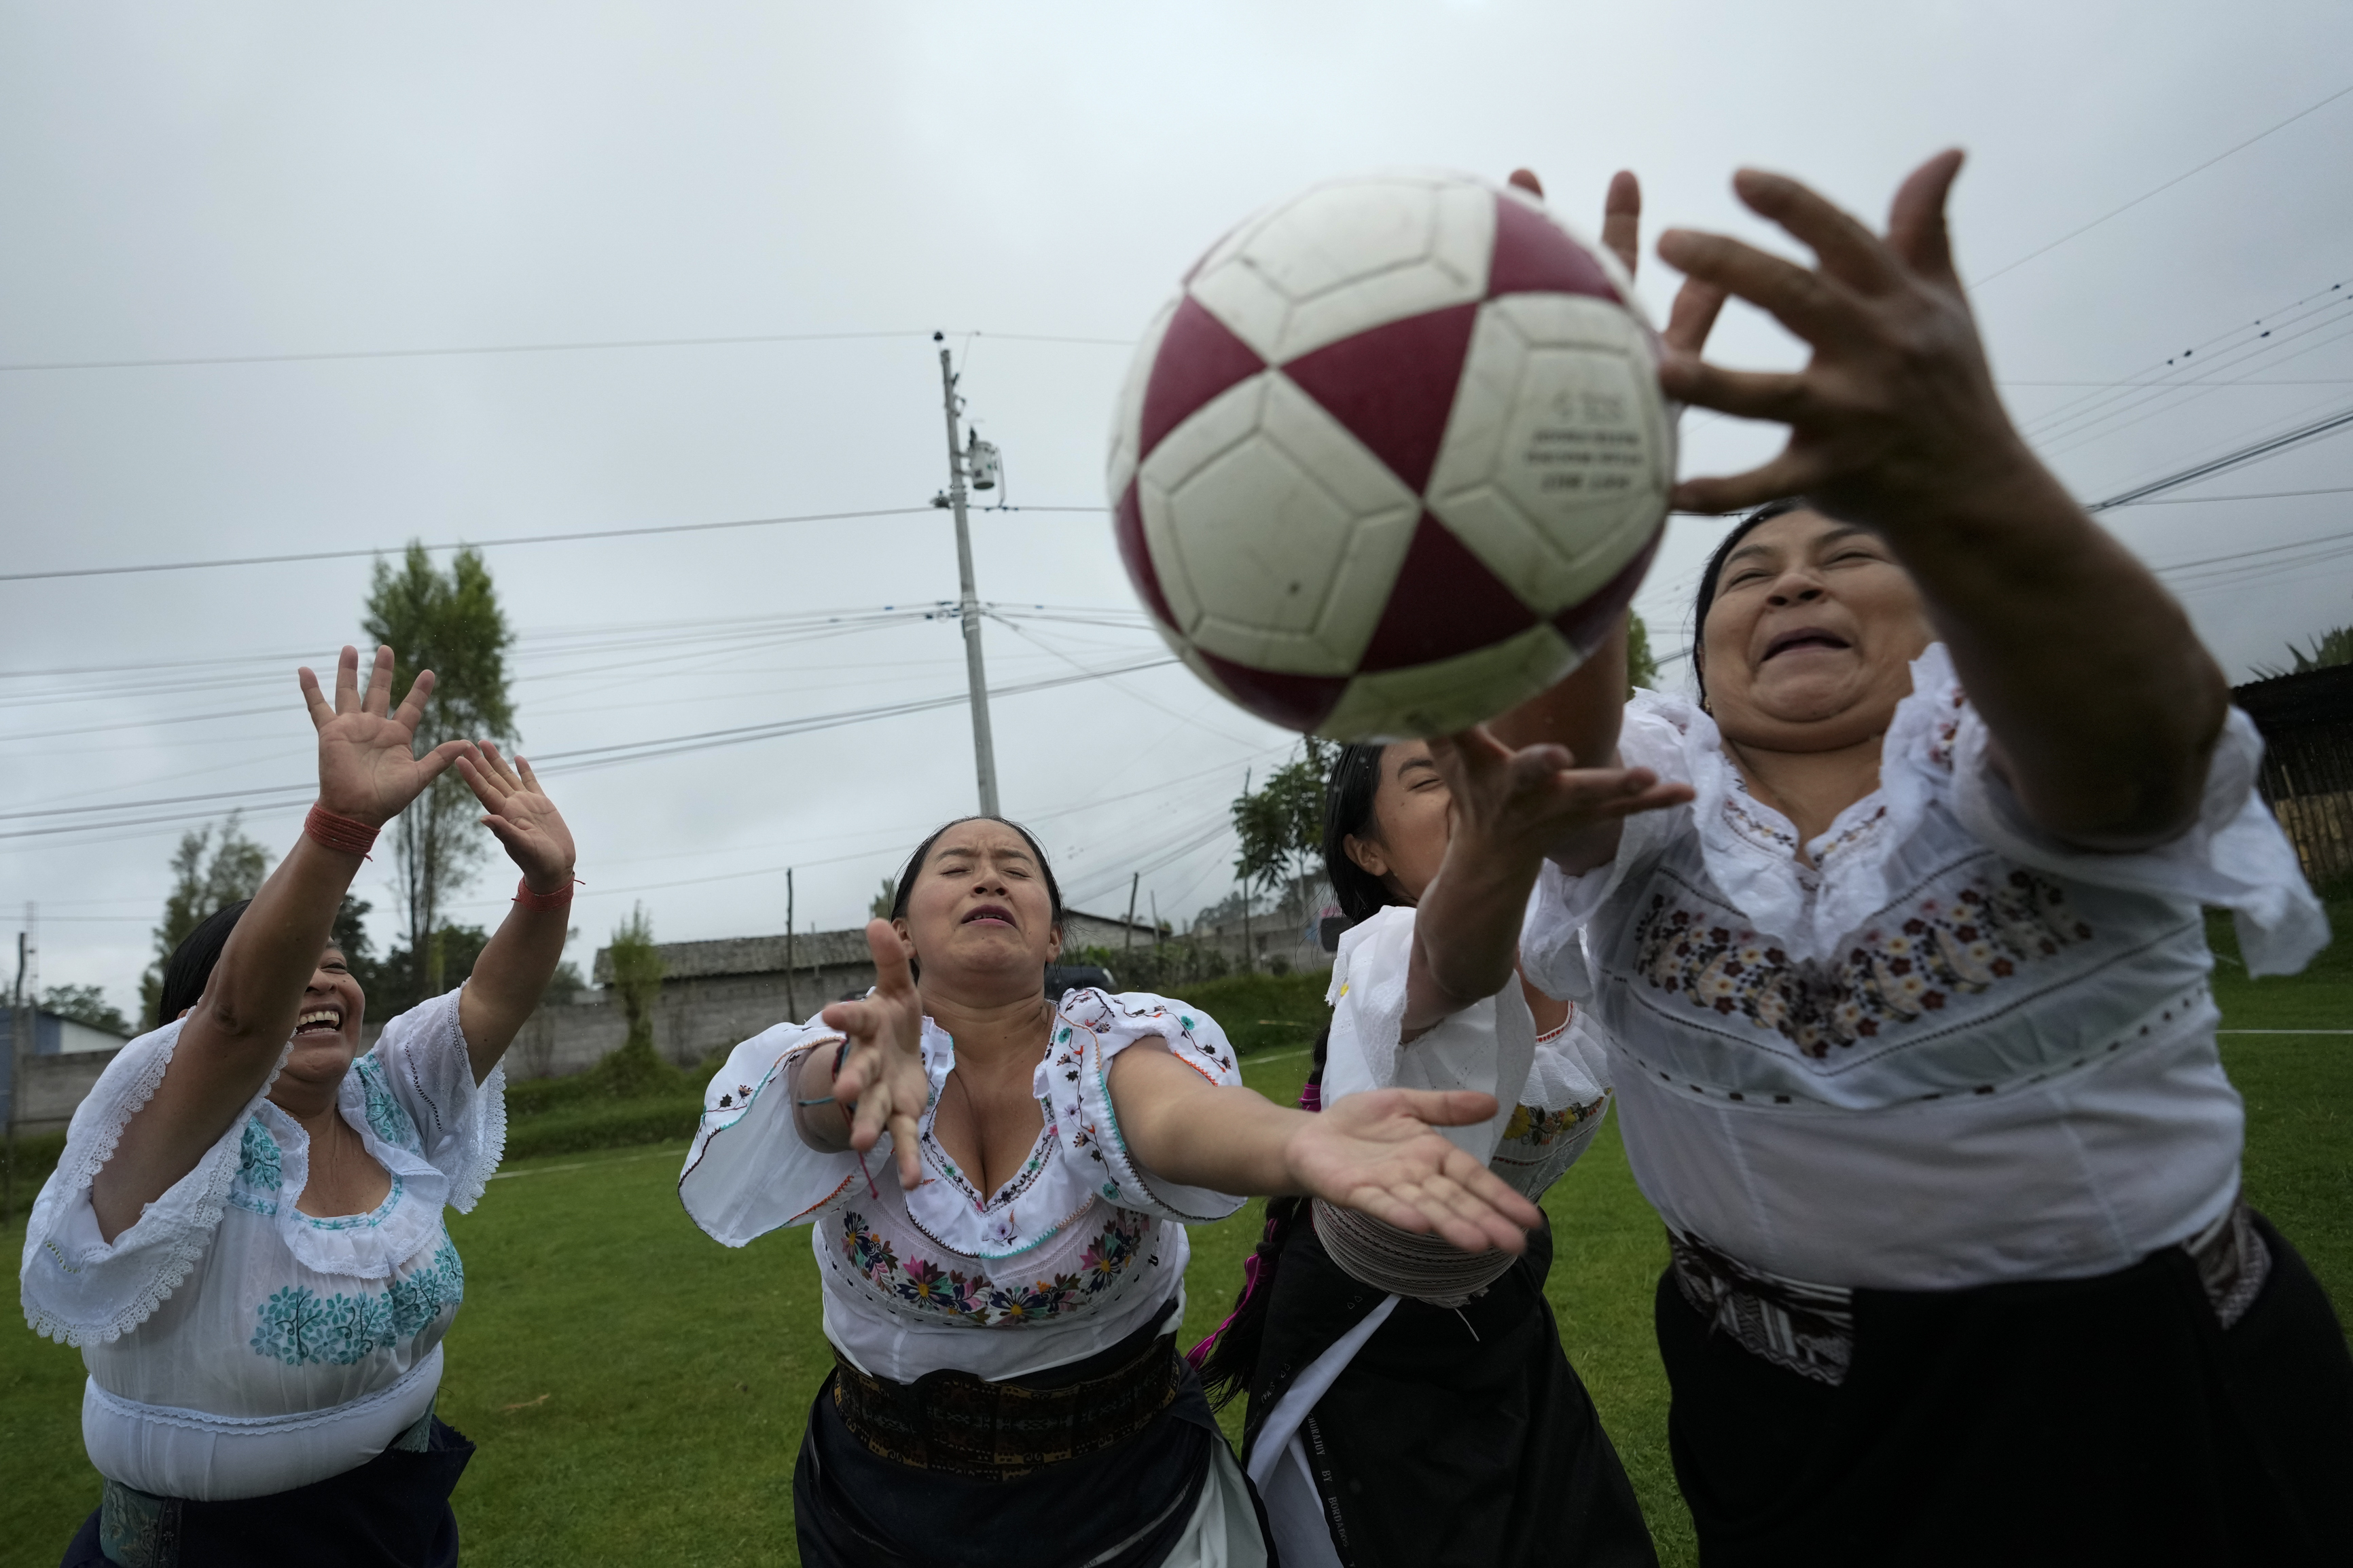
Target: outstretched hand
(1376, 1151)
(1895, 418)
(520, 815)
(1521, 805)
(1697, 302)
(368, 769)
(882, 1076)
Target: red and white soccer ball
(1395, 458)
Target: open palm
(521, 815)
(368, 769)
(1376, 1151)
(883, 1071)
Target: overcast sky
(246, 179)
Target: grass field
(638, 1392)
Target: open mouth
(320, 1021)
(995, 912)
(1804, 637)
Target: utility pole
(792, 1007)
(983, 747)
(21, 1024)
(1132, 884)
(1250, 948)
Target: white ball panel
(1288, 539)
(1349, 255)
(1128, 413)
(1555, 464)
(1216, 427)
(1452, 694)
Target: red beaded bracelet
(558, 899)
(339, 832)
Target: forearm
(2102, 703)
(1584, 713)
(1466, 931)
(1187, 1131)
(508, 979)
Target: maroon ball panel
(1199, 358)
(1534, 255)
(1127, 529)
(1585, 625)
(1294, 701)
(1445, 603)
(1393, 386)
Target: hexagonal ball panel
(1451, 694)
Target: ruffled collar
(1751, 849)
(363, 1247)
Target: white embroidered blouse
(237, 1346)
(1551, 1090)
(1951, 1051)
(1073, 1253)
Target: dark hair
(1348, 797)
(191, 964)
(914, 868)
(1714, 568)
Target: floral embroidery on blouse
(1536, 1127)
(298, 1325)
(976, 1300)
(386, 1118)
(1895, 974)
(257, 1162)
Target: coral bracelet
(339, 832)
(560, 898)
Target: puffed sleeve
(1487, 1047)
(81, 1290)
(2232, 856)
(461, 1125)
(1090, 1029)
(749, 1170)
(1657, 735)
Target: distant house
(64, 1058)
(57, 1037)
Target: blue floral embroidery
(298, 1325)
(386, 1118)
(256, 1156)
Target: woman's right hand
(368, 769)
(883, 1086)
(1524, 805)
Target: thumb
(1445, 1107)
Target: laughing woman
(244, 1234)
(1908, 1005)
(999, 1188)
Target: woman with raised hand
(1914, 1050)
(1000, 1187)
(244, 1234)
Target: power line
(2158, 190)
(461, 544)
(341, 354)
(2247, 454)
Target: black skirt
(2085, 1421)
(391, 1512)
(1453, 1438)
(1122, 1505)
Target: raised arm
(236, 1033)
(516, 964)
(2102, 702)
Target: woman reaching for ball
(999, 1187)
(244, 1234)
(1913, 1047)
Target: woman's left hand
(1376, 1151)
(522, 816)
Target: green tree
(1641, 664)
(448, 623)
(208, 874)
(2335, 646)
(879, 904)
(636, 966)
(87, 1004)
(1281, 824)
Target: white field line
(2283, 1031)
(587, 1164)
(1254, 1058)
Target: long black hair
(914, 868)
(1231, 1365)
(191, 964)
(1714, 570)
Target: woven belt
(1426, 1267)
(1809, 1329)
(966, 1425)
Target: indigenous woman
(1384, 1372)
(998, 1187)
(244, 1234)
(1908, 1005)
